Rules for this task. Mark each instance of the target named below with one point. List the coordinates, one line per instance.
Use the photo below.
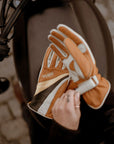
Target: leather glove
(79, 60)
(52, 83)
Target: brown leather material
(84, 63)
(51, 84)
(30, 41)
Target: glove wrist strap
(88, 85)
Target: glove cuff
(88, 85)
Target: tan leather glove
(52, 83)
(79, 60)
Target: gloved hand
(79, 60)
(52, 83)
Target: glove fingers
(57, 63)
(59, 51)
(47, 57)
(58, 43)
(65, 30)
(60, 38)
(59, 35)
(53, 60)
(69, 33)
(57, 38)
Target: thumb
(78, 56)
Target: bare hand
(66, 110)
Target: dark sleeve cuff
(64, 129)
(60, 134)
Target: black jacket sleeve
(58, 134)
(109, 119)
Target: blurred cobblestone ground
(13, 129)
